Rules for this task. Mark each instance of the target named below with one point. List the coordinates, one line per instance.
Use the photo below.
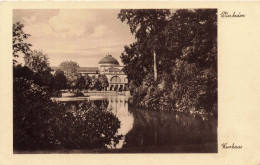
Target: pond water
(155, 132)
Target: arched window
(115, 79)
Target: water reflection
(171, 132)
(150, 131)
(119, 106)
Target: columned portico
(116, 87)
(117, 82)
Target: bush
(32, 111)
(56, 93)
(40, 123)
(23, 71)
(92, 128)
(78, 93)
(188, 88)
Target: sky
(84, 36)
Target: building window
(115, 79)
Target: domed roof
(108, 60)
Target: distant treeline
(72, 81)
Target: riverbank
(67, 97)
(96, 93)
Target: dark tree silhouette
(19, 44)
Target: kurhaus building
(110, 67)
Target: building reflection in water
(119, 106)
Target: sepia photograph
(115, 81)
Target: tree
(185, 46)
(72, 80)
(137, 61)
(44, 78)
(95, 83)
(87, 82)
(23, 71)
(37, 61)
(146, 25)
(81, 82)
(19, 44)
(31, 111)
(70, 69)
(103, 81)
(192, 36)
(69, 66)
(60, 80)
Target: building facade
(111, 68)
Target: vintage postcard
(130, 82)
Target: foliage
(137, 62)
(37, 61)
(56, 93)
(103, 81)
(92, 128)
(69, 66)
(78, 93)
(19, 44)
(195, 71)
(44, 78)
(31, 102)
(146, 25)
(186, 47)
(98, 83)
(72, 79)
(81, 82)
(40, 123)
(22, 71)
(193, 36)
(95, 83)
(88, 82)
(60, 80)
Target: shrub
(188, 88)
(40, 123)
(56, 93)
(78, 93)
(92, 128)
